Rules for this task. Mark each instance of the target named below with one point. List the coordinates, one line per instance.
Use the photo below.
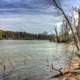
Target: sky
(34, 16)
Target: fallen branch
(76, 72)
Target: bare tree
(78, 26)
(56, 32)
(58, 6)
(65, 30)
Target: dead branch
(76, 72)
(59, 70)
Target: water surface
(31, 59)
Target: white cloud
(29, 23)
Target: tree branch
(75, 39)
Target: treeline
(23, 36)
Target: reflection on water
(30, 59)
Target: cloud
(31, 15)
(24, 3)
(29, 23)
(26, 6)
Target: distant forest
(23, 36)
